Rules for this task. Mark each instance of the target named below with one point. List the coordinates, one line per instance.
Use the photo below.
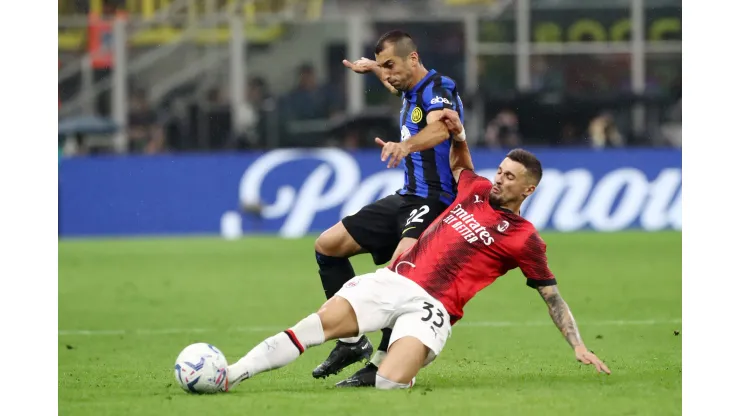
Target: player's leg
(373, 229)
(335, 319)
(413, 218)
(404, 360)
(333, 248)
(405, 244)
(418, 337)
(366, 375)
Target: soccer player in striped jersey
(392, 224)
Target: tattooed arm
(532, 259)
(561, 315)
(563, 319)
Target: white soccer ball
(201, 368)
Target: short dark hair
(529, 161)
(400, 39)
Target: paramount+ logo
(566, 199)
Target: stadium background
(233, 129)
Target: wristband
(460, 137)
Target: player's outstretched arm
(364, 65)
(563, 319)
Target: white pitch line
(490, 324)
(548, 323)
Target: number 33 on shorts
(429, 323)
(435, 316)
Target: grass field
(127, 308)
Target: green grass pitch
(142, 301)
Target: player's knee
(321, 245)
(335, 242)
(338, 318)
(328, 243)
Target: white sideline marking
(490, 324)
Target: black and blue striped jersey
(428, 173)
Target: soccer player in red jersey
(422, 293)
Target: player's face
(512, 183)
(396, 69)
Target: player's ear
(529, 190)
(414, 58)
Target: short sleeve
(438, 95)
(532, 260)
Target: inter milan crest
(416, 115)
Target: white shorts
(384, 299)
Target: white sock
(351, 340)
(378, 357)
(383, 383)
(278, 350)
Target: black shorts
(380, 226)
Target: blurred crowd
(313, 113)
(583, 100)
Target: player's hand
(392, 151)
(361, 66)
(587, 357)
(452, 121)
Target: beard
(495, 200)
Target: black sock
(334, 272)
(385, 340)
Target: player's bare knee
(336, 242)
(323, 244)
(338, 319)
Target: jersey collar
(413, 91)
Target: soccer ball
(201, 368)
